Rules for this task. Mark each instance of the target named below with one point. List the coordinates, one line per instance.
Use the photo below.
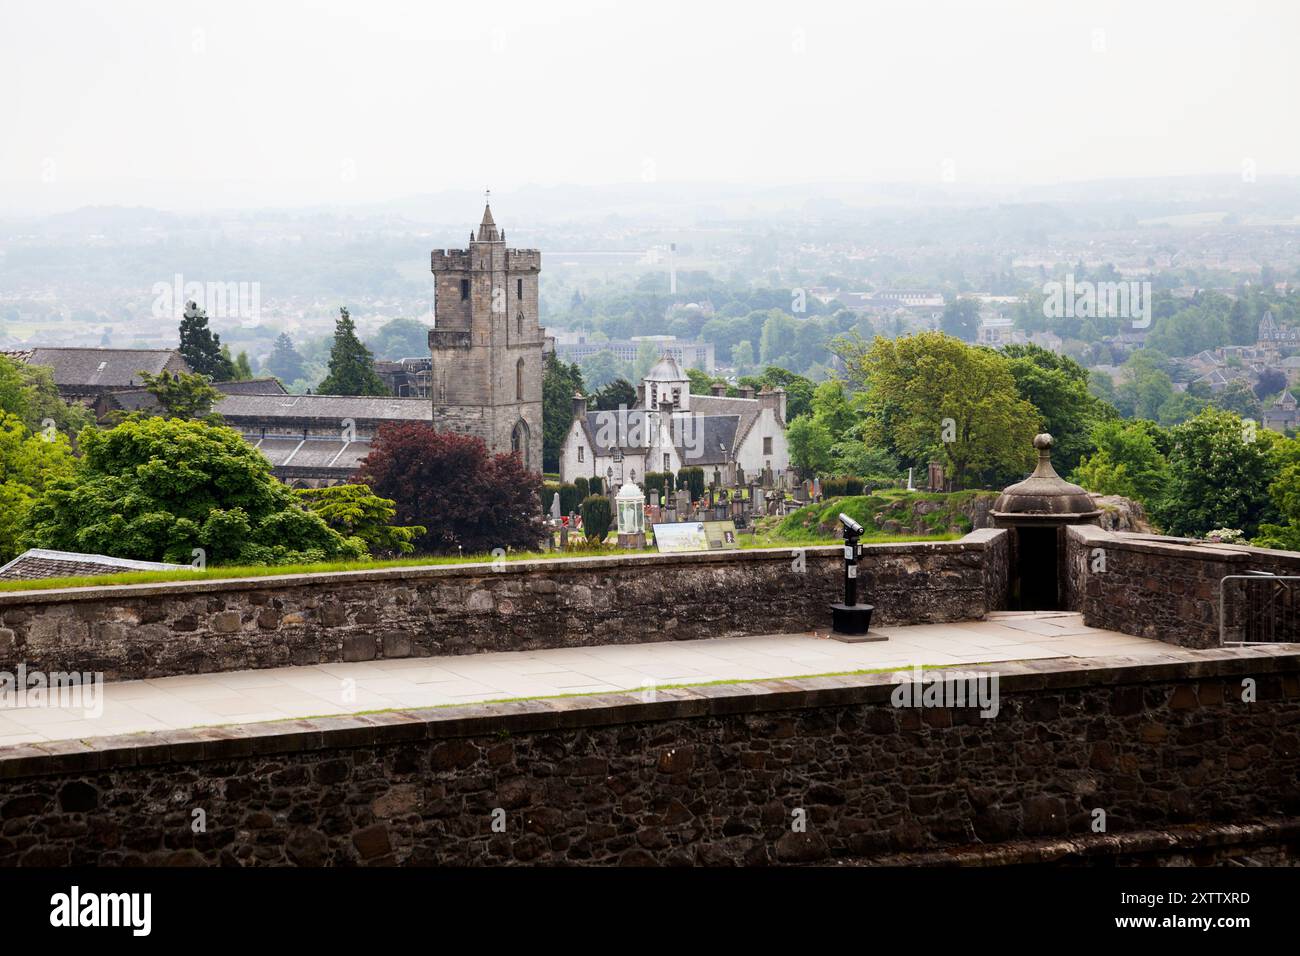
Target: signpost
(695, 536)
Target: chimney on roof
(773, 398)
(579, 405)
(746, 391)
(719, 389)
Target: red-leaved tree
(449, 483)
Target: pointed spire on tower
(487, 230)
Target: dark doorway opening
(1036, 570)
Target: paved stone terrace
(240, 697)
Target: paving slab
(200, 700)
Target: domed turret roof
(665, 370)
(1045, 495)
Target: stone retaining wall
(707, 775)
(1156, 587)
(155, 630)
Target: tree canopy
(351, 366)
(448, 483)
(560, 380)
(930, 394)
(156, 489)
(201, 347)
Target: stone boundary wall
(1157, 587)
(704, 775)
(155, 630)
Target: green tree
(810, 443)
(798, 389)
(619, 393)
(351, 366)
(243, 368)
(1058, 387)
(560, 381)
(29, 392)
(356, 512)
(742, 356)
(961, 319)
(931, 394)
(701, 381)
(1220, 471)
(186, 395)
(201, 348)
(1285, 495)
(874, 466)
(401, 338)
(601, 368)
(1239, 398)
(158, 488)
(285, 363)
(1127, 461)
(1146, 385)
(29, 463)
(833, 408)
(777, 339)
(597, 517)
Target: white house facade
(732, 439)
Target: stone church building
(486, 343)
(732, 439)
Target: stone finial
(1045, 494)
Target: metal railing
(1259, 608)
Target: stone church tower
(487, 343)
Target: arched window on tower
(519, 380)
(519, 443)
(519, 325)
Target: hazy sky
(206, 105)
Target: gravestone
(934, 480)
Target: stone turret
(1044, 497)
(1037, 512)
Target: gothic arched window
(519, 442)
(519, 380)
